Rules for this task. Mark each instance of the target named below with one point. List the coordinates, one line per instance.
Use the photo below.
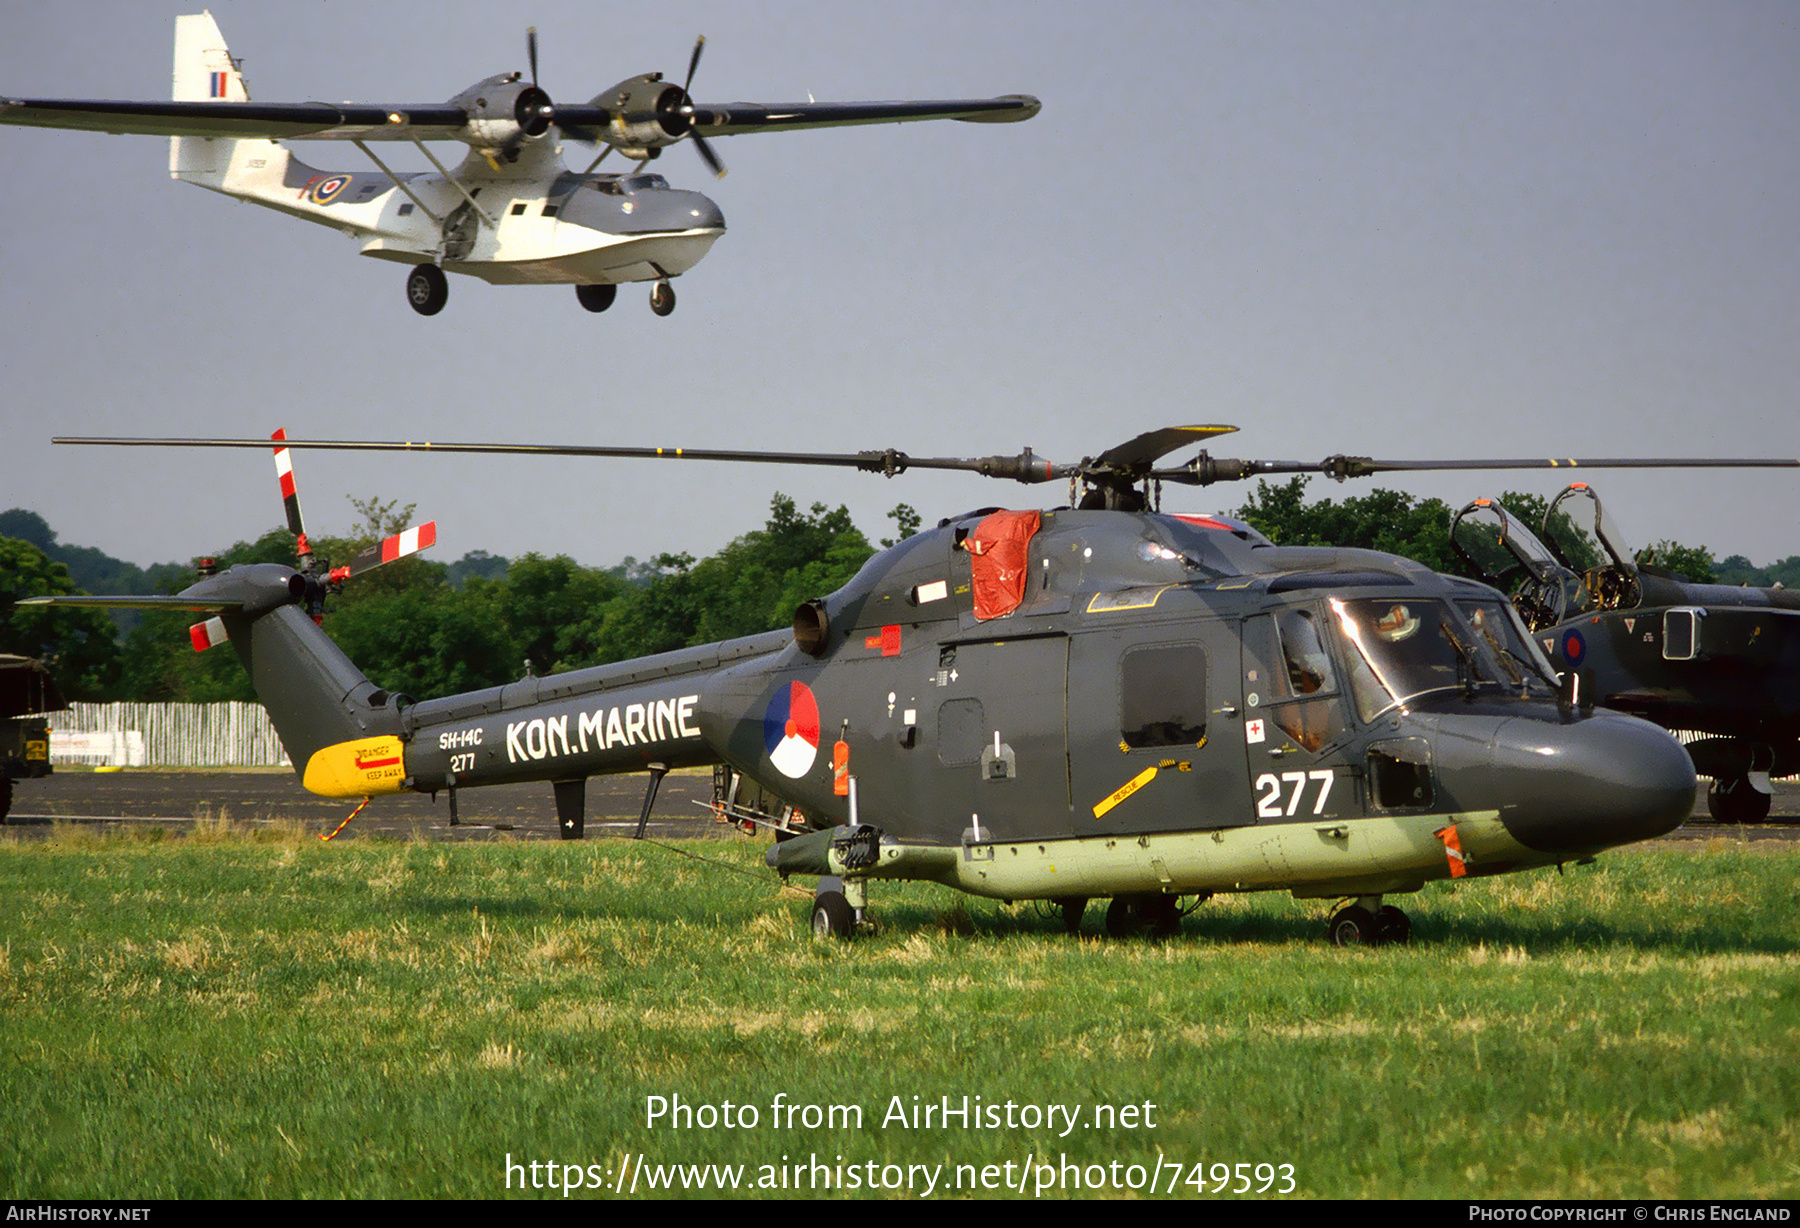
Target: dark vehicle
(27, 692)
(1718, 664)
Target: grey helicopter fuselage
(1171, 705)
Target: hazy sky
(1406, 231)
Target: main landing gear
(597, 298)
(1368, 923)
(839, 909)
(426, 289)
(1733, 799)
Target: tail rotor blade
(290, 497)
(401, 544)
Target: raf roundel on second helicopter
(791, 730)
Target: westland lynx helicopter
(1097, 701)
(511, 213)
(1717, 663)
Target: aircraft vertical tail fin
(205, 72)
(204, 69)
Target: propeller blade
(707, 155)
(531, 50)
(693, 63)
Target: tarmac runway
(524, 811)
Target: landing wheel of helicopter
(1392, 925)
(832, 916)
(426, 289)
(1354, 926)
(1735, 800)
(1156, 916)
(1072, 908)
(597, 297)
(662, 298)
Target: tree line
(428, 628)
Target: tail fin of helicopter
(339, 729)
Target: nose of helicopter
(1591, 784)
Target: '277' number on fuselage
(1268, 793)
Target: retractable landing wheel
(832, 916)
(662, 298)
(1392, 926)
(426, 289)
(598, 297)
(1154, 916)
(1735, 800)
(1368, 923)
(1072, 907)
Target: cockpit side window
(1306, 677)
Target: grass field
(222, 1015)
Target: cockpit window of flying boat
(638, 183)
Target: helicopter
(1097, 701)
(511, 212)
(1719, 664)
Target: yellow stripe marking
(1124, 791)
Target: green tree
(1386, 520)
(76, 644)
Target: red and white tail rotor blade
(290, 497)
(208, 634)
(401, 544)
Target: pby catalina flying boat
(511, 212)
(1097, 701)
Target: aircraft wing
(271, 120)
(728, 119)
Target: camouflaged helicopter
(1098, 701)
(511, 212)
(1718, 663)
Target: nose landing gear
(662, 298)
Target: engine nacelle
(504, 111)
(646, 113)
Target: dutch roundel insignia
(791, 730)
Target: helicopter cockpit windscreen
(1402, 650)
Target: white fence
(165, 735)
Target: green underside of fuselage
(1330, 857)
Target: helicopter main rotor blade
(1123, 465)
(1025, 467)
(1204, 470)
